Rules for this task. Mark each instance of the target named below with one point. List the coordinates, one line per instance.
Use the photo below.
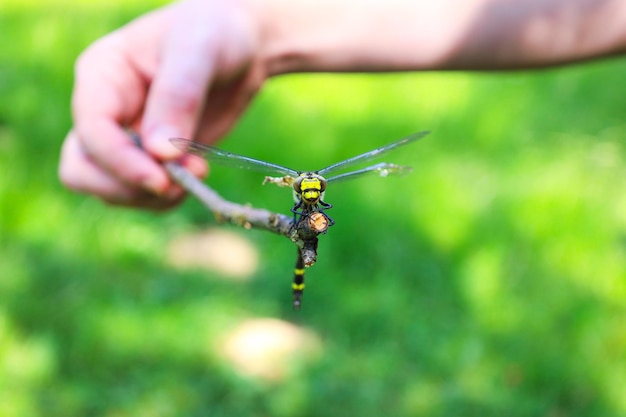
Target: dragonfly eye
(297, 185)
(322, 184)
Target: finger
(227, 102)
(107, 97)
(110, 147)
(79, 173)
(197, 166)
(179, 87)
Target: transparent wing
(229, 159)
(382, 169)
(368, 156)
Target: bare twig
(303, 232)
(226, 211)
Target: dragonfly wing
(382, 169)
(368, 156)
(229, 159)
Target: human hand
(186, 70)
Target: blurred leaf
(489, 282)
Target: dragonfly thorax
(309, 186)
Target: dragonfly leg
(295, 211)
(325, 204)
(298, 282)
(305, 209)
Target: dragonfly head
(310, 186)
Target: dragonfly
(308, 187)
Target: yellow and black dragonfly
(308, 186)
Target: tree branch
(302, 232)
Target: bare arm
(366, 35)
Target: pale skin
(190, 69)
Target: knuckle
(182, 96)
(69, 180)
(70, 177)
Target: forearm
(399, 35)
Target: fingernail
(159, 142)
(174, 193)
(153, 186)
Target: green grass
(490, 282)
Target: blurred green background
(490, 282)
